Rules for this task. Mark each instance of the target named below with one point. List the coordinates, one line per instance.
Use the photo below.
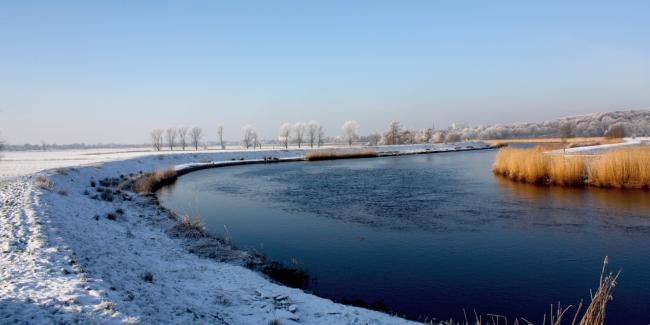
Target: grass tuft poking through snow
(44, 183)
(190, 228)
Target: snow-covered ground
(589, 150)
(65, 261)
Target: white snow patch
(627, 142)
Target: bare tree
(171, 137)
(408, 136)
(312, 132)
(452, 137)
(438, 136)
(156, 136)
(196, 134)
(248, 135)
(350, 131)
(321, 135)
(256, 141)
(616, 131)
(299, 132)
(427, 135)
(566, 131)
(374, 138)
(392, 135)
(285, 133)
(220, 133)
(182, 137)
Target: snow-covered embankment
(71, 255)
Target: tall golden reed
(627, 167)
(339, 154)
(621, 168)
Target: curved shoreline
(94, 257)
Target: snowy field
(69, 258)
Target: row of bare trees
(397, 134)
(311, 133)
(176, 137)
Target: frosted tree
(408, 136)
(156, 136)
(220, 133)
(171, 134)
(392, 135)
(182, 137)
(350, 131)
(312, 132)
(321, 135)
(438, 137)
(374, 138)
(285, 134)
(299, 133)
(196, 134)
(248, 135)
(426, 135)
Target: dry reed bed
(619, 168)
(339, 154)
(584, 140)
(150, 182)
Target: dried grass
(150, 182)
(43, 182)
(621, 168)
(339, 154)
(189, 227)
(601, 140)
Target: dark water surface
(430, 235)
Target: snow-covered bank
(70, 256)
(589, 150)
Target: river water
(431, 235)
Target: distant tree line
(611, 124)
(311, 134)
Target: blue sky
(109, 71)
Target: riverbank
(72, 252)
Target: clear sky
(110, 71)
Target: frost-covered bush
(636, 122)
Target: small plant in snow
(189, 228)
(147, 277)
(44, 183)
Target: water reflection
(627, 210)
